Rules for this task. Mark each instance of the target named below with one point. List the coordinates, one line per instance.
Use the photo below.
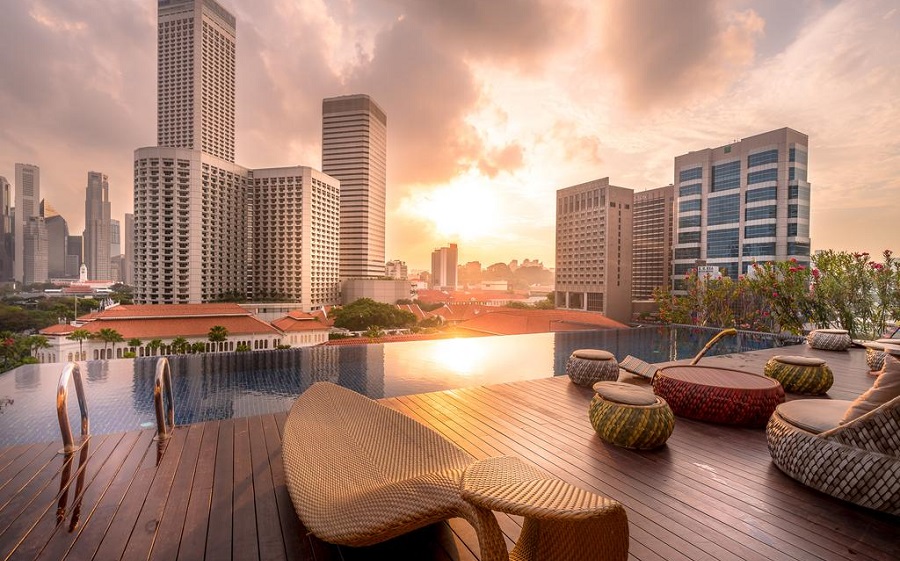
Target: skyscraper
(6, 234)
(35, 251)
(115, 238)
(593, 248)
(97, 226)
(128, 277)
(741, 203)
(354, 151)
(651, 255)
(28, 199)
(444, 264)
(74, 256)
(195, 77)
(57, 244)
(197, 216)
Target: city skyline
(485, 126)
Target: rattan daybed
(360, 473)
(858, 461)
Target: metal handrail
(163, 383)
(71, 371)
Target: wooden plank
(196, 522)
(95, 490)
(245, 545)
(219, 535)
(15, 478)
(296, 548)
(172, 512)
(268, 533)
(104, 516)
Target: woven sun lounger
(359, 473)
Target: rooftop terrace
(216, 489)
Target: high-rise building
(35, 251)
(97, 226)
(444, 263)
(115, 238)
(6, 234)
(128, 266)
(299, 263)
(196, 77)
(28, 199)
(741, 203)
(593, 248)
(651, 256)
(354, 151)
(396, 269)
(74, 256)
(57, 245)
(196, 212)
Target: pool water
(221, 386)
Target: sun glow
(464, 210)
(460, 356)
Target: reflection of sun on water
(461, 356)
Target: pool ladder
(163, 402)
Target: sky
(492, 105)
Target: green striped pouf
(630, 416)
(800, 374)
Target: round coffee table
(718, 395)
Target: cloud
(664, 52)
(508, 159)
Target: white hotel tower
(206, 228)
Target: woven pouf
(800, 374)
(875, 353)
(630, 416)
(829, 339)
(586, 367)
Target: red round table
(718, 395)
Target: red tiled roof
(467, 296)
(299, 321)
(460, 312)
(414, 309)
(171, 310)
(166, 328)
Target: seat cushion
(814, 415)
(885, 388)
(624, 393)
(799, 360)
(593, 354)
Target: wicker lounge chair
(858, 461)
(360, 473)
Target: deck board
(216, 490)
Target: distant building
(396, 269)
(35, 249)
(74, 256)
(354, 151)
(381, 290)
(444, 262)
(7, 250)
(57, 245)
(128, 262)
(28, 199)
(115, 238)
(97, 226)
(741, 203)
(593, 248)
(651, 265)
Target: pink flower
(793, 259)
(815, 273)
(774, 295)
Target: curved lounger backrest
(876, 431)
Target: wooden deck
(216, 490)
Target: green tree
(180, 345)
(199, 347)
(154, 345)
(134, 343)
(110, 337)
(365, 312)
(374, 332)
(80, 335)
(217, 335)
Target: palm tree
(80, 335)
(218, 334)
(180, 345)
(134, 343)
(110, 336)
(36, 343)
(154, 346)
(198, 347)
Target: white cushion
(885, 388)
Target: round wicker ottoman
(800, 374)
(718, 395)
(630, 416)
(829, 339)
(875, 353)
(586, 367)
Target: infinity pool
(221, 386)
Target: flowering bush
(845, 290)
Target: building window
(759, 249)
(688, 222)
(798, 249)
(688, 237)
(688, 206)
(726, 176)
(764, 194)
(689, 174)
(724, 210)
(762, 176)
(687, 253)
(760, 231)
(688, 190)
(767, 157)
(761, 212)
(722, 243)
